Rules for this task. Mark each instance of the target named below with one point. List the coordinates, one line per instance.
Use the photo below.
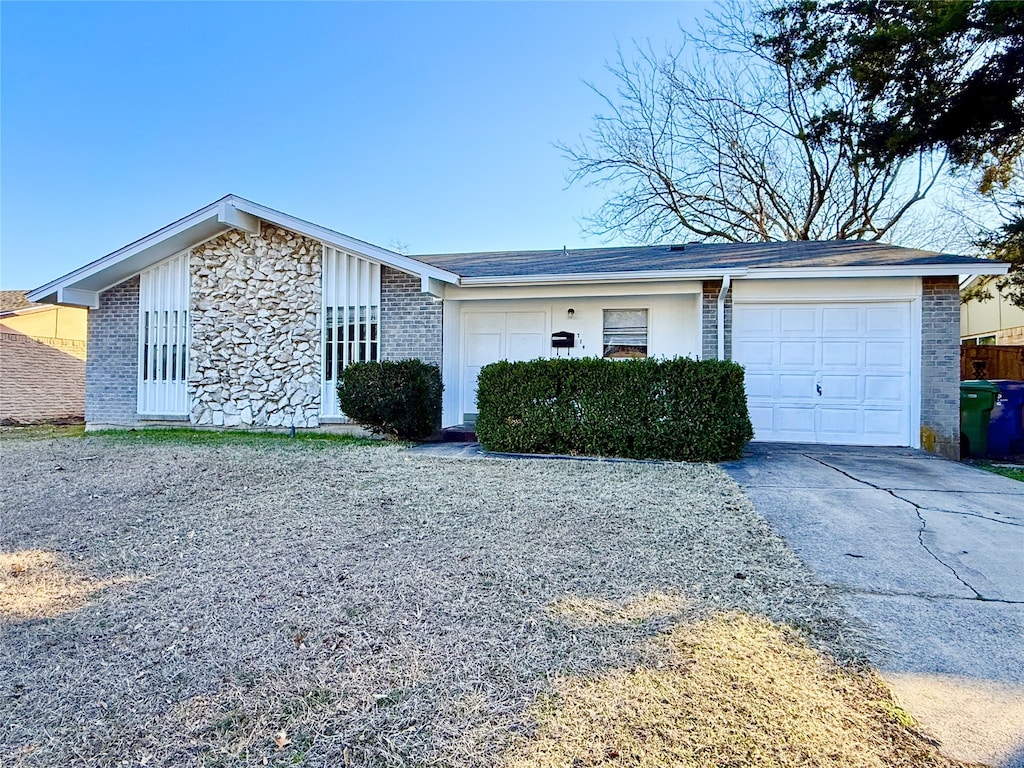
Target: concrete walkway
(929, 554)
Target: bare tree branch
(717, 141)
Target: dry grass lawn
(317, 604)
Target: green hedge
(678, 409)
(401, 398)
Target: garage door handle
(819, 389)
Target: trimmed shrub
(400, 398)
(678, 409)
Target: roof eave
(82, 286)
(749, 273)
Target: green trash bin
(976, 401)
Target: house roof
(710, 258)
(704, 261)
(83, 285)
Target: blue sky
(429, 125)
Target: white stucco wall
(844, 289)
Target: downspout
(726, 283)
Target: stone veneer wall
(410, 321)
(112, 367)
(255, 354)
(940, 366)
(709, 321)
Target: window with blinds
(625, 333)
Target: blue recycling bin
(1006, 425)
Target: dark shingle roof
(697, 256)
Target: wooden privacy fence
(992, 362)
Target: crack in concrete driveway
(929, 554)
(917, 509)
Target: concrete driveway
(929, 554)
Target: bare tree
(718, 140)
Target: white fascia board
(432, 287)
(78, 298)
(229, 215)
(588, 278)
(134, 257)
(567, 291)
(899, 270)
(345, 243)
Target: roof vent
(677, 247)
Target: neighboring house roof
(735, 258)
(16, 302)
(834, 258)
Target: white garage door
(493, 336)
(827, 373)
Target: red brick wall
(40, 380)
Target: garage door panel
(883, 421)
(882, 319)
(797, 354)
(844, 321)
(884, 426)
(840, 353)
(840, 422)
(884, 388)
(756, 322)
(838, 387)
(795, 421)
(755, 353)
(762, 418)
(798, 386)
(799, 321)
(759, 384)
(883, 354)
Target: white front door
(493, 336)
(827, 372)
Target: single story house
(42, 361)
(994, 321)
(241, 316)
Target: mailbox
(563, 340)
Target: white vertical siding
(351, 320)
(163, 338)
